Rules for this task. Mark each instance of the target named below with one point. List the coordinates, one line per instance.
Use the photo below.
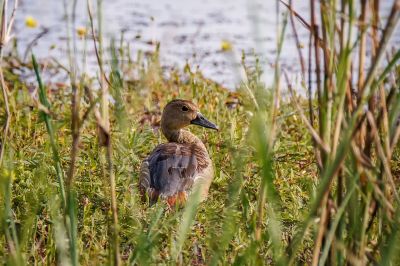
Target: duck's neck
(183, 136)
(180, 136)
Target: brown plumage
(174, 168)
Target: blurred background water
(188, 32)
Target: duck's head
(178, 114)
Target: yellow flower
(81, 31)
(31, 22)
(226, 46)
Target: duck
(173, 169)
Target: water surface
(188, 32)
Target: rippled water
(188, 31)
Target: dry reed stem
(5, 36)
(310, 128)
(309, 27)
(74, 105)
(384, 201)
(384, 122)
(362, 47)
(361, 159)
(395, 139)
(389, 29)
(105, 133)
(296, 37)
(328, 67)
(381, 154)
(352, 258)
(337, 131)
(302, 62)
(321, 229)
(33, 42)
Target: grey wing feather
(170, 171)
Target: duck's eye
(185, 108)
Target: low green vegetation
(224, 225)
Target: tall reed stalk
(5, 37)
(6, 168)
(104, 128)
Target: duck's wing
(171, 168)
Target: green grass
(149, 233)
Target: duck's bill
(200, 120)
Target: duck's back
(173, 168)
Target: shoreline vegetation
(299, 180)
